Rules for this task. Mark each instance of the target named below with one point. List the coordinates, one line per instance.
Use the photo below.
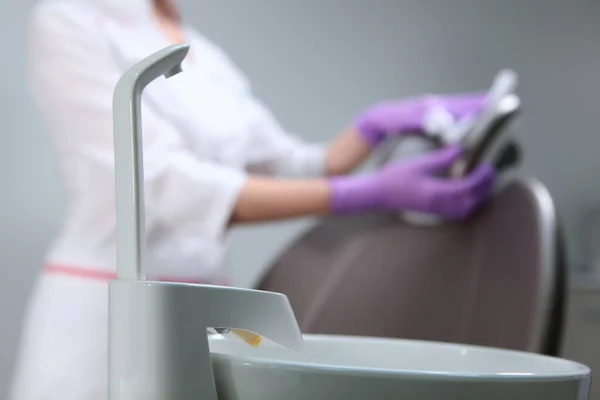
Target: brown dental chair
(495, 280)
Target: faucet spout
(129, 170)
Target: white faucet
(158, 343)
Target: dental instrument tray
(484, 137)
(481, 134)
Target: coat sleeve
(73, 77)
(271, 150)
(276, 152)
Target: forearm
(346, 153)
(267, 199)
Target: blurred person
(214, 157)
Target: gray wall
(331, 58)
(317, 63)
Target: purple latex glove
(408, 116)
(414, 185)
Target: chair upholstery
(495, 280)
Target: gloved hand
(408, 116)
(414, 185)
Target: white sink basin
(337, 367)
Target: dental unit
(160, 347)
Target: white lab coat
(203, 131)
